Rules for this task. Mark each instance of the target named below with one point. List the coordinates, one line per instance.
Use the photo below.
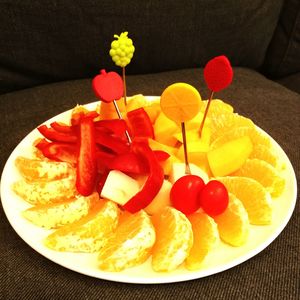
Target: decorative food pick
(121, 52)
(218, 75)
(180, 102)
(108, 87)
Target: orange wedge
(174, 239)
(90, 233)
(265, 153)
(35, 169)
(43, 192)
(205, 238)
(130, 244)
(233, 223)
(216, 107)
(264, 173)
(224, 122)
(55, 215)
(255, 198)
(256, 136)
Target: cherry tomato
(214, 198)
(184, 193)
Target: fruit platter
(149, 189)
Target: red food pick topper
(218, 73)
(108, 86)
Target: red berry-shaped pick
(218, 73)
(184, 193)
(214, 198)
(108, 86)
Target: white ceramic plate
(223, 258)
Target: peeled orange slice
(35, 169)
(216, 107)
(233, 223)
(267, 154)
(255, 198)
(90, 233)
(264, 173)
(54, 215)
(130, 244)
(256, 136)
(43, 192)
(224, 122)
(205, 238)
(174, 239)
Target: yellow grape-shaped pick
(122, 49)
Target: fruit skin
(229, 157)
(214, 198)
(184, 193)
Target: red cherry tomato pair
(189, 193)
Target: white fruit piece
(178, 170)
(119, 187)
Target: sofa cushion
(283, 56)
(291, 82)
(51, 41)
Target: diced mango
(229, 157)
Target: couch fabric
(272, 274)
(49, 52)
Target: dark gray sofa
(49, 52)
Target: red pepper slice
(103, 160)
(129, 163)
(60, 127)
(140, 123)
(153, 183)
(60, 152)
(115, 126)
(115, 143)
(86, 162)
(56, 136)
(161, 155)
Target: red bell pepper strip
(116, 144)
(41, 143)
(60, 152)
(60, 127)
(161, 155)
(140, 123)
(153, 183)
(56, 136)
(103, 160)
(86, 162)
(116, 126)
(76, 117)
(129, 163)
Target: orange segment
(264, 173)
(130, 245)
(205, 238)
(256, 136)
(180, 102)
(54, 215)
(174, 239)
(35, 169)
(88, 234)
(224, 122)
(43, 192)
(216, 107)
(256, 200)
(267, 154)
(233, 223)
